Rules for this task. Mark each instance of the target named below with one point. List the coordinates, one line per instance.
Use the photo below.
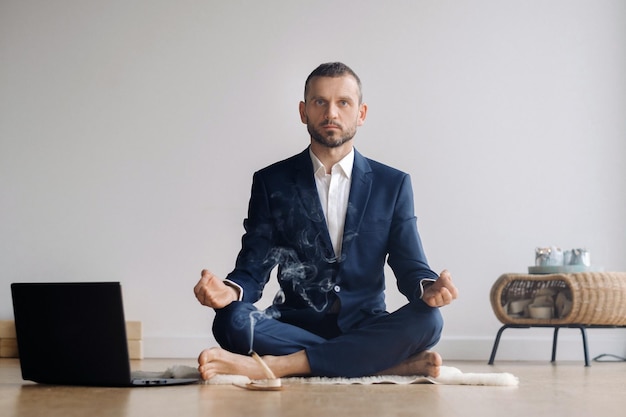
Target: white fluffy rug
(448, 376)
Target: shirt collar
(346, 164)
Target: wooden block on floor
(8, 341)
(7, 329)
(134, 330)
(8, 348)
(134, 336)
(135, 349)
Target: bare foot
(426, 363)
(214, 361)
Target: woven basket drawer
(597, 298)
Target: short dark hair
(332, 69)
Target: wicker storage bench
(578, 300)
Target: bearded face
(331, 134)
(332, 110)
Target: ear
(303, 116)
(362, 114)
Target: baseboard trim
(515, 344)
(534, 345)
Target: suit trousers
(376, 344)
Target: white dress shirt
(334, 190)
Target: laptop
(75, 334)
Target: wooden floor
(564, 389)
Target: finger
(439, 298)
(451, 288)
(445, 276)
(199, 284)
(198, 288)
(205, 277)
(202, 295)
(445, 279)
(446, 296)
(432, 300)
(454, 292)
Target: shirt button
(337, 288)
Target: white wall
(129, 132)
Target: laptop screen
(71, 333)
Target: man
(328, 218)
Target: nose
(331, 111)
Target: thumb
(445, 281)
(445, 277)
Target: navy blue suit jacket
(286, 227)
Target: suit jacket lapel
(360, 191)
(309, 198)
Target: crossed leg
(214, 361)
(289, 350)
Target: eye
(344, 103)
(320, 102)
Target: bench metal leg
(496, 343)
(554, 341)
(583, 332)
(555, 337)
